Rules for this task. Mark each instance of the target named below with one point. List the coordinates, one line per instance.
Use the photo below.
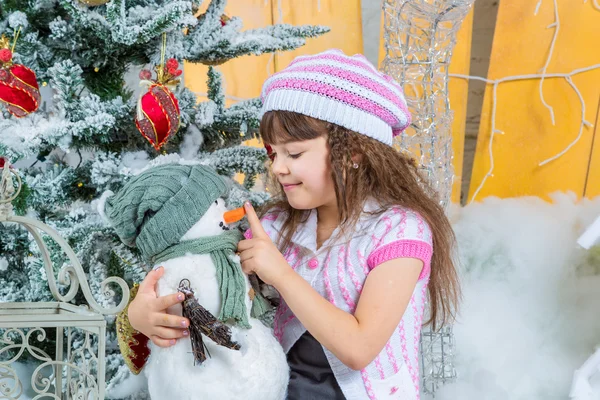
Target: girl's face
(303, 169)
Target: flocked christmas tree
(87, 137)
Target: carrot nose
(234, 215)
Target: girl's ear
(357, 158)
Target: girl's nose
(278, 167)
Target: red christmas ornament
(19, 90)
(174, 71)
(269, 152)
(5, 55)
(172, 64)
(158, 115)
(145, 74)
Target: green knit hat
(156, 208)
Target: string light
(542, 76)
(595, 3)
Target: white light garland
(542, 76)
(595, 3)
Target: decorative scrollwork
(10, 385)
(70, 275)
(12, 344)
(80, 369)
(81, 384)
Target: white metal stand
(77, 370)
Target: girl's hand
(148, 313)
(260, 255)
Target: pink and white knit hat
(347, 91)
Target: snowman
(176, 216)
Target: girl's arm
(355, 339)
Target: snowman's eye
(216, 202)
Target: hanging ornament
(19, 88)
(225, 20)
(4, 161)
(94, 3)
(157, 116)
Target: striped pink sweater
(338, 271)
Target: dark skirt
(311, 377)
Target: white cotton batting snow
(531, 299)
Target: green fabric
(260, 306)
(232, 284)
(156, 208)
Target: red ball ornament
(174, 71)
(5, 55)
(172, 63)
(19, 90)
(158, 115)
(145, 74)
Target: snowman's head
(167, 204)
(214, 222)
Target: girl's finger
(164, 302)
(246, 244)
(170, 333)
(148, 285)
(255, 225)
(169, 321)
(160, 342)
(246, 255)
(248, 267)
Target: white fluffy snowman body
(258, 371)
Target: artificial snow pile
(531, 298)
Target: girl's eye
(294, 156)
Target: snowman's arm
(132, 343)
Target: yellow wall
(521, 45)
(244, 76)
(458, 89)
(344, 21)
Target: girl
(351, 241)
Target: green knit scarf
(230, 276)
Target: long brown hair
(384, 174)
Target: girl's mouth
(287, 187)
